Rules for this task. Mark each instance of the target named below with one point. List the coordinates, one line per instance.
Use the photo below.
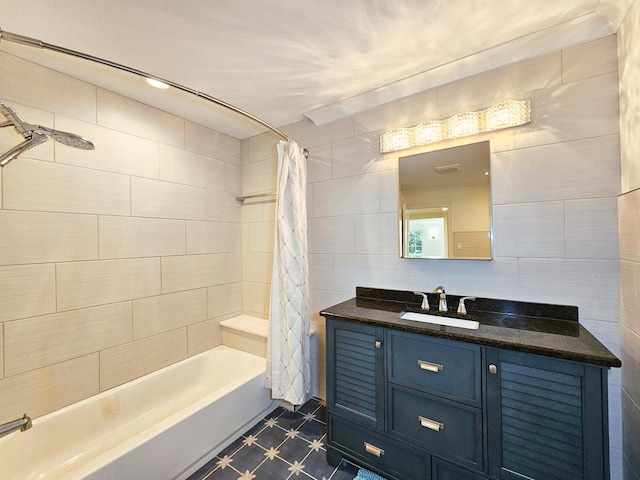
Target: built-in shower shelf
(246, 333)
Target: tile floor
(284, 445)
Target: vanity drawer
(449, 429)
(377, 451)
(445, 368)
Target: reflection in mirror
(445, 201)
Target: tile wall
(114, 262)
(555, 185)
(629, 222)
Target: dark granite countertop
(543, 329)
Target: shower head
(35, 135)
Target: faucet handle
(462, 310)
(425, 300)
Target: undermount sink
(437, 320)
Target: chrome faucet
(21, 424)
(425, 300)
(442, 304)
(462, 310)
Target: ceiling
(286, 60)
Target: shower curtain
(288, 355)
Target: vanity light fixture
(510, 113)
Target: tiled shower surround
(117, 262)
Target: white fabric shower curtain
(288, 354)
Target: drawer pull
(373, 450)
(431, 367)
(431, 424)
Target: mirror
(445, 204)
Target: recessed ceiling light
(156, 83)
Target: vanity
(522, 396)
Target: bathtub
(164, 425)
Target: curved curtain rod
(32, 42)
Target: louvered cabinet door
(355, 372)
(547, 418)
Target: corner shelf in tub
(247, 333)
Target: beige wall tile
(128, 116)
(27, 290)
(628, 214)
(1, 351)
(332, 235)
(630, 295)
(204, 335)
(245, 342)
(28, 237)
(319, 164)
(225, 299)
(260, 147)
(377, 233)
(321, 271)
(530, 230)
(162, 313)
(260, 237)
(84, 284)
(182, 166)
(30, 84)
(573, 282)
(259, 177)
(257, 267)
(213, 237)
(346, 196)
(383, 271)
(255, 298)
(192, 271)
(130, 361)
(389, 191)
(153, 198)
(592, 228)
(631, 362)
(48, 187)
(47, 389)
(130, 237)
(232, 178)
(41, 341)
(211, 143)
(628, 73)
(233, 267)
(571, 170)
(115, 151)
(514, 81)
(360, 155)
(223, 207)
(590, 59)
(582, 109)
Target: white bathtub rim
(53, 466)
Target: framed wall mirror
(445, 204)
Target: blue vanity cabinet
(355, 360)
(356, 416)
(547, 418)
(412, 406)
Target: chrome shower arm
(32, 141)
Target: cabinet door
(546, 418)
(355, 372)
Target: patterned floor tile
(285, 445)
